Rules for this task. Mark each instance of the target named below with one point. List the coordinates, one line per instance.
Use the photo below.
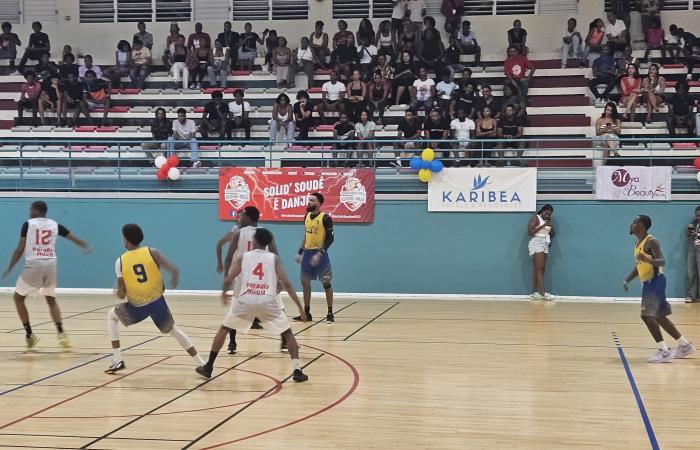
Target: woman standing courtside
(541, 232)
(692, 270)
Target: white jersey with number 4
(41, 239)
(258, 275)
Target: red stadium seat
(85, 129)
(683, 145)
(198, 109)
(209, 147)
(323, 71)
(240, 73)
(96, 148)
(114, 109)
(673, 66)
(314, 90)
(297, 148)
(126, 91)
(324, 128)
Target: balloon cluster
(696, 163)
(167, 167)
(426, 165)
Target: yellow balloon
(425, 175)
(428, 154)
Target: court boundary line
(323, 320)
(63, 318)
(371, 320)
(637, 396)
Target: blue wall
(405, 250)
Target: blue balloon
(416, 163)
(436, 166)
(425, 164)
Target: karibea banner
(633, 183)
(485, 190)
(281, 194)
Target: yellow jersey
(645, 270)
(315, 232)
(142, 277)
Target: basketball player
(260, 271)
(38, 244)
(139, 280)
(313, 254)
(655, 307)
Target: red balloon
(696, 163)
(173, 161)
(162, 174)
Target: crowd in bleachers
(404, 62)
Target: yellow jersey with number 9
(645, 270)
(315, 232)
(142, 277)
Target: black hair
(546, 207)
(34, 24)
(87, 56)
(282, 96)
(673, 27)
(29, 73)
(570, 19)
(252, 212)
(303, 94)
(160, 109)
(467, 23)
(88, 72)
(411, 110)
(6, 25)
(644, 220)
(132, 233)
(141, 22)
(138, 41)
(40, 206)
(655, 21)
(697, 209)
(430, 20)
(238, 91)
(217, 94)
(615, 115)
(513, 47)
(319, 23)
(227, 22)
(181, 110)
(263, 237)
(122, 43)
(69, 55)
(319, 196)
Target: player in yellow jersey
(649, 262)
(139, 280)
(313, 254)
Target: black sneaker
(256, 324)
(330, 318)
(299, 376)
(298, 318)
(204, 371)
(232, 348)
(116, 367)
(283, 346)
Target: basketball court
(396, 374)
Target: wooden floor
(407, 374)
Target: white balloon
(697, 177)
(161, 161)
(173, 173)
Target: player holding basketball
(260, 271)
(655, 307)
(38, 244)
(313, 254)
(139, 280)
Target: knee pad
(326, 286)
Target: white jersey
(245, 239)
(258, 274)
(40, 239)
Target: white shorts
(538, 244)
(37, 276)
(244, 310)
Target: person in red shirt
(515, 68)
(29, 98)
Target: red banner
(281, 194)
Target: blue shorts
(157, 310)
(322, 272)
(654, 303)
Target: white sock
(683, 341)
(662, 346)
(117, 354)
(296, 364)
(198, 360)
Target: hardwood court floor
(389, 374)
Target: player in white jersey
(37, 243)
(260, 272)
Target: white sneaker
(683, 350)
(536, 296)
(661, 356)
(196, 164)
(32, 340)
(548, 296)
(688, 300)
(63, 340)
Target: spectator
(517, 37)
(239, 111)
(408, 41)
(282, 119)
(487, 99)
(462, 131)
(486, 129)
(672, 43)
(630, 91)
(122, 65)
(409, 136)
(343, 133)
(140, 64)
(68, 65)
(511, 97)
(365, 31)
(379, 90)
(467, 78)
(367, 57)
(398, 14)
(405, 74)
(451, 58)
(621, 9)
(386, 41)
(183, 136)
(594, 40)
(571, 39)
(282, 58)
(416, 12)
(45, 69)
(304, 58)
(431, 50)
(319, 43)
(229, 42)
(385, 69)
(271, 41)
(332, 96)
(463, 98)
(466, 41)
(88, 65)
(161, 129)
(249, 47)
(29, 97)
(653, 86)
(303, 113)
(540, 230)
(72, 99)
(692, 233)
(219, 68)
(364, 133)
(650, 10)
(38, 45)
(344, 51)
(617, 34)
(8, 44)
(356, 96)
(215, 116)
(510, 131)
(170, 42)
(423, 91)
(143, 36)
(429, 24)
(680, 110)
(198, 38)
(179, 58)
(201, 59)
(66, 49)
(626, 59)
(655, 39)
(96, 95)
(515, 68)
(445, 89)
(453, 10)
(50, 76)
(689, 44)
(608, 128)
(436, 130)
(604, 70)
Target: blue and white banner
(483, 190)
(633, 183)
